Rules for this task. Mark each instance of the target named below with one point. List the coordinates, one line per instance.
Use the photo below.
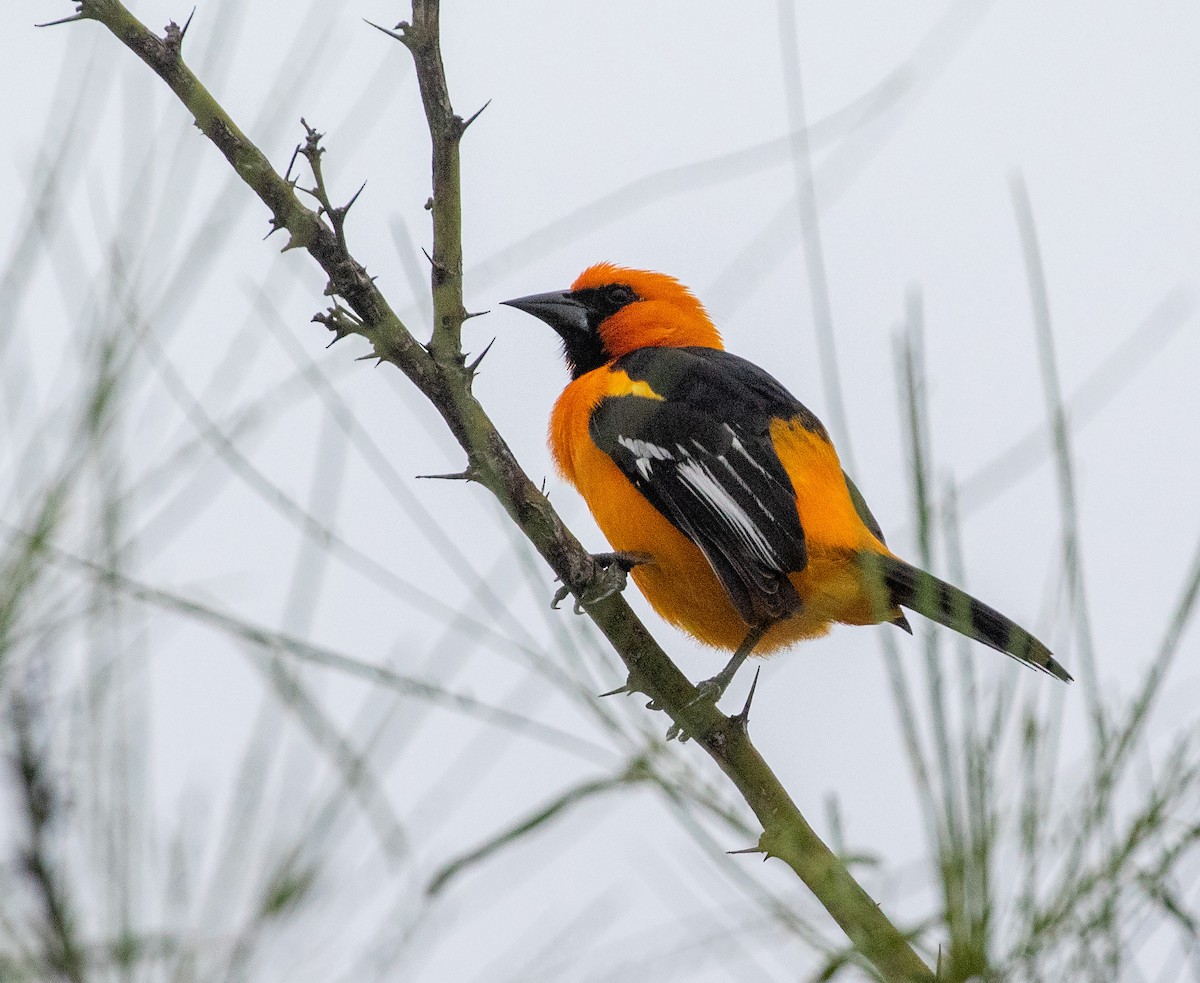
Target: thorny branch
(439, 371)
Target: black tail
(947, 605)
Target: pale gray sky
(594, 146)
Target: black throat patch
(584, 351)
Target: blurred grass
(1092, 848)
(107, 887)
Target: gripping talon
(707, 691)
(610, 574)
(711, 690)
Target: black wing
(702, 455)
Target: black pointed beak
(559, 309)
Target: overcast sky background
(652, 135)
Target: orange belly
(678, 582)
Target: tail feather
(947, 605)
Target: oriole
(721, 486)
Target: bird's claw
(676, 733)
(560, 595)
(610, 574)
(708, 691)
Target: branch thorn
(395, 34)
(473, 365)
(341, 322)
(743, 719)
(350, 204)
(173, 38)
(467, 474)
(287, 175)
(64, 20)
(472, 118)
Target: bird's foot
(610, 574)
(676, 733)
(710, 690)
(707, 691)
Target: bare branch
(441, 375)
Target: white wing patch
(643, 453)
(737, 446)
(701, 482)
(713, 490)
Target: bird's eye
(619, 295)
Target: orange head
(611, 311)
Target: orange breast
(679, 583)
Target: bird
(722, 494)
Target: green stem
(441, 376)
(423, 39)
